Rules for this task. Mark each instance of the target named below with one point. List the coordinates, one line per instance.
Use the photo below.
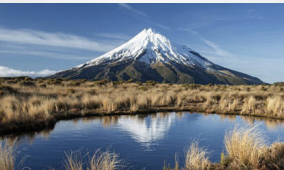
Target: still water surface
(142, 141)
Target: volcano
(151, 56)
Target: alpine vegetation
(42, 102)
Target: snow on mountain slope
(151, 56)
(151, 47)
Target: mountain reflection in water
(142, 128)
(140, 140)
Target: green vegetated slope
(159, 72)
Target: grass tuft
(196, 157)
(7, 158)
(245, 144)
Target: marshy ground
(27, 104)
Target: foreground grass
(34, 104)
(245, 150)
(7, 158)
(99, 161)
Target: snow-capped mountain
(151, 56)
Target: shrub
(101, 82)
(42, 85)
(143, 88)
(74, 83)
(28, 79)
(12, 81)
(278, 84)
(70, 91)
(6, 90)
(139, 83)
(92, 92)
(27, 83)
(130, 81)
(56, 82)
(151, 83)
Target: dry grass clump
(7, 158)
(13, 109)
(245, 148)
(245, 145)
(58, 99)
(105, 161)
(99, 161)
(73, 161)
(196, 157)
(275, 106)
(273, 157)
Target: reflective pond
(142, 141)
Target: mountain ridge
(151, 56)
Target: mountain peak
(151, 56)
(150, 47)
(149, 31)
(151, 36)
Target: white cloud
(217, 48)
(114, 36)
(9, 72)
(40, 53)
(33, 37)
(160, 25)
(130, 8)
(144, 15)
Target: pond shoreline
(244, 138)
(14, 128)
(32, 108)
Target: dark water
(142, 141)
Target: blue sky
(38, 39)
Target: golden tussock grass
(105, 161)
(245, 145)
(99, 161)
(196, 157)
(73, 161)
(57, 97)
(7, 158)
(245, 150)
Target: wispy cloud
(246, 63)
(160, 25)
(118, 36)
(219, 51)
(9, 72)
(144, 16)
(130, 8)
(206, 18)
(24, 36)
(40, 53)
(217, 48)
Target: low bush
(7, 90)
(151, 83)
(28, 83)
(70, 91)
(42, 85)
